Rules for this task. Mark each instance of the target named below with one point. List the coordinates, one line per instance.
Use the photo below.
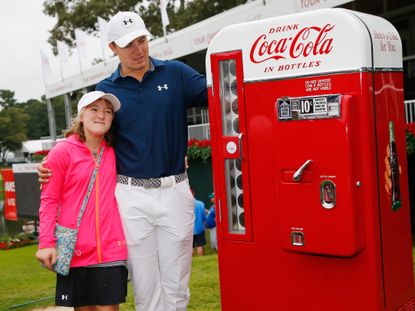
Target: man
(211, 223)
(199, 238)
(152, 191)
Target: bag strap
(91, 184)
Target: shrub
(39, 155)
(198, 149)
(22, 239)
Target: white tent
(192, 39)
(32, 146)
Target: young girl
(97, 278)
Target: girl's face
(97, 118)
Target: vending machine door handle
(240, 145)
(297, 175)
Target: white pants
(158, 225)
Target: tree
(37, 123)
(7, 99)
(59, 107)
(27, 120)
(12, 130)
(83, 14)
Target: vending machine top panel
(314, 42)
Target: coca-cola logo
(308, 41)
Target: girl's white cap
(90, 97)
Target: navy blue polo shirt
(151, 126)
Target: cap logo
(128, 22)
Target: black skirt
(92, 286)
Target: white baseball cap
(124, 27)
(90, 97)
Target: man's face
(134, 56)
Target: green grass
(24, 281)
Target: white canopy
(192, 39)
(32, 146)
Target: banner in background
(27, 190)
(10, 210)
(47, 71)
(82, 38)
(164, 17)
(307, 5)
(63, 52)
(103, 36)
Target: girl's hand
(46, 257)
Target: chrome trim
(240, 146)
(298, 233)
(388, 69)
(408, 58)
(220, 210)
(299, 173)
(328, 205)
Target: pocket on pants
(184, 189)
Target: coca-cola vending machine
(309, 160)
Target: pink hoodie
(100, 236)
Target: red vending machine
(309, 159)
